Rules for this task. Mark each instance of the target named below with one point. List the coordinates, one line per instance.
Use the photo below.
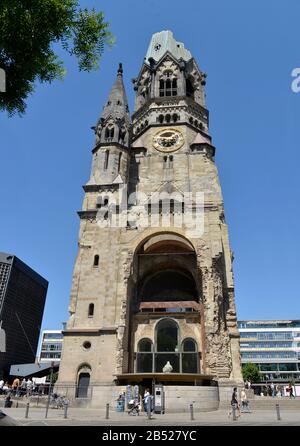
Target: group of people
(18, 388)
(236, 405)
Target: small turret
(113, 125)
(111, 152)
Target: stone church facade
(152, 295)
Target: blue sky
(249, 49)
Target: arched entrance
(166, 308)
(83, 381)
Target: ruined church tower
(152, 297)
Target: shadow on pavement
(6, 420)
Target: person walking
(244, 400)
(234, 404)
(272, 390)
(147, 400)
(291, 391)
(15, 386)
(29, 387)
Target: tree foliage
(251, 372)
(28, 31)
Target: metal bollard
(66, 411)
(107, 411)
(278, 412)
(47, 408)
(192, 412)
(27, 410)
(234, 412)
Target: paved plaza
(96, 417)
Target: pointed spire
(113, 125)
(117, 105)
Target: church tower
(152, 296)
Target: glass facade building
(274, 346)
(51, 346)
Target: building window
(167, 87)
(96, 260)
(167, 351)
(91, 310)
(106, 159)
(119, 162)
(109, 133)
(189, 88)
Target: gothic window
(189, 88)
(168, 118)
(171, 161)
(96, 260)
(91, 310)
(109, 133)
(167, 86)
(119, 162)
(106, 159)
(161, 119)
(122, 134)
(175, 117)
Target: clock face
(168, 140)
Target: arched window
(175, 117)
(96, 260)
(189, 88)
(168, 118)
(161, 119)
(145, 345)
(167, 336)
(167, 342)
(106, 159)
(144, 357)
(167, 87)
(91, 310)
(190, 357)
(167, 354)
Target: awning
(33, 369)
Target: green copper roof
(164, 41)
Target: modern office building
(22, 300)
(51, 346)
(274, 346)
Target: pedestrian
(272, 390)
(29, 386)
(23, 387)
(147, 400)
(6, 388)
(290, 390)
(15, 385)
(244, 400)
(234, 404)
(1, 386)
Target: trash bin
(120, 406)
